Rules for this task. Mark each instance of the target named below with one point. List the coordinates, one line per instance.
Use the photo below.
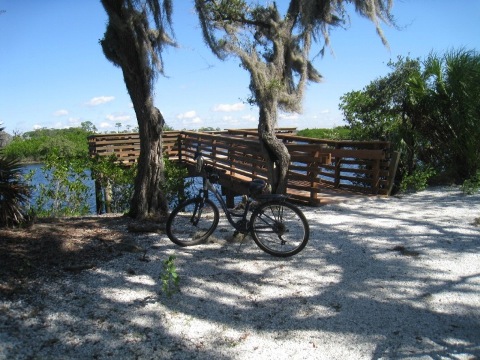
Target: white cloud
(229, 107)
(187, 115)
(288, 116)
(105, 125)
(190, 119)
(250, 118)
(74, 121)
(99, 100)
(119, 117)
(191, 123)
(61, 112)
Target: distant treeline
(337, 133)
(34, 146)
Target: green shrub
(120, 179)
(417, 180)
(176, 184)
(115, 178)
(472, 185)
(65, 192)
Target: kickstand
(243, 237)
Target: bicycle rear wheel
(279, 228)
(192, 222)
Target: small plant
(417, 180)
(472, 185)
(169, 277)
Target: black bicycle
(278, 227)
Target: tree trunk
(125, 43)
(275, 151)
(149, 200)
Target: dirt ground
(51, 247)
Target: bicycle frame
(241, 225)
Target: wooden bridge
(320, 171)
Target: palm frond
(14, 194)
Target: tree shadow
(349, 293)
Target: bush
(14, 193)
(65, 192)
(472, 185)
(115, 178)
(120, 179)
(417, 180)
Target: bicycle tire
(279, 228)
(180, 227)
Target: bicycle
(277, 226)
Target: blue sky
(53, 73)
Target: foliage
(429, 110)
(169, 277)
(119, 179)
(447, 94)
(472, 185)
(417, 180)
(14, 193)
(35, 145)
(209, 128)
(337, 133)
(176, 186)
(115, 178)
(65, 191)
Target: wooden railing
(358, 166)
(126, 146)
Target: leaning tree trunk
(125, 43)
(275, 151)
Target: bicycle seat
(258, 187)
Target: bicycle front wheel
(192, 222)
(279, 228)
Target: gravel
(381, 278)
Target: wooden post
(392, 171)
(375, 176)
(338, 162)
(313, 175)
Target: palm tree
(275, 50)
(447, 91)
(13, 192)
(136, 34)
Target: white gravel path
(385, 278)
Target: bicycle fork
(197, 212)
